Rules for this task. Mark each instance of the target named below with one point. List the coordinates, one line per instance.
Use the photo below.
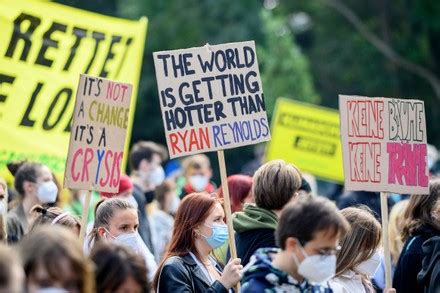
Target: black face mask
(149, 196)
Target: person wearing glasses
(308, 235)
(359, 258)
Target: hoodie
(261, 276)
(255, 228)
(429, 276)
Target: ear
(29, 186)
(291, 244)
(101, 232)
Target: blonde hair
(47, 245)
(395, 226)
(104, 212)
(361, 241)
(275, 183)
(52, 216)
(196, 162)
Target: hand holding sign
(211, 99)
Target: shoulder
(346, 284)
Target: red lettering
(364, 162)
(75, 177)
(174, 140)
(88, 157)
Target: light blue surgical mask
(219, 235)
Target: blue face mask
(219, 235)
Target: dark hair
(275, 183)
(239, 188)
(418, 213)
(104, 211)
(304, 218)
(114, 264)
(361, 240)
(145, 150)
(162, 190)
(48, 215)
(192, 211)
(28, 171)
(47, 245)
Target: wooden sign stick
(227, 206)
(85, 214)
(385, 238)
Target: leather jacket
(182, 274)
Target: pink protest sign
(97, 137)
(384, 144)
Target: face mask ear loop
(108, 234)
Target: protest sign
(97, 140)
(307, 136)
(211, 98)
(384, 144)
(44, 46)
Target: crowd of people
(165, 231)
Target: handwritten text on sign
(211, 98)
(97, 138)
(384, 144)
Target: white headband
(59, 217)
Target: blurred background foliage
(308, 50)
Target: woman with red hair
(187, 266)
(239, 191)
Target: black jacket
(182, 274)
(144, 225)
(429, 276)
(249, 242)
(410, 261)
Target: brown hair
(395, 225)
(162, 190)
(192, 212)
(10, 270)
(47, 245)
(114, 264)
(305, 218)
(418, 213)
(144, 150)
(361, 240)
(25, 171)
(48, 215)
(275, 183)
(104, 212)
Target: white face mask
(134, 242)
(199, 182)
(2, 207)
(156, 176)
(316, 268)
(47, 192)
(369, 267)
(51, 290)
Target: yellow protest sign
(44, 47)
(308, 136)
